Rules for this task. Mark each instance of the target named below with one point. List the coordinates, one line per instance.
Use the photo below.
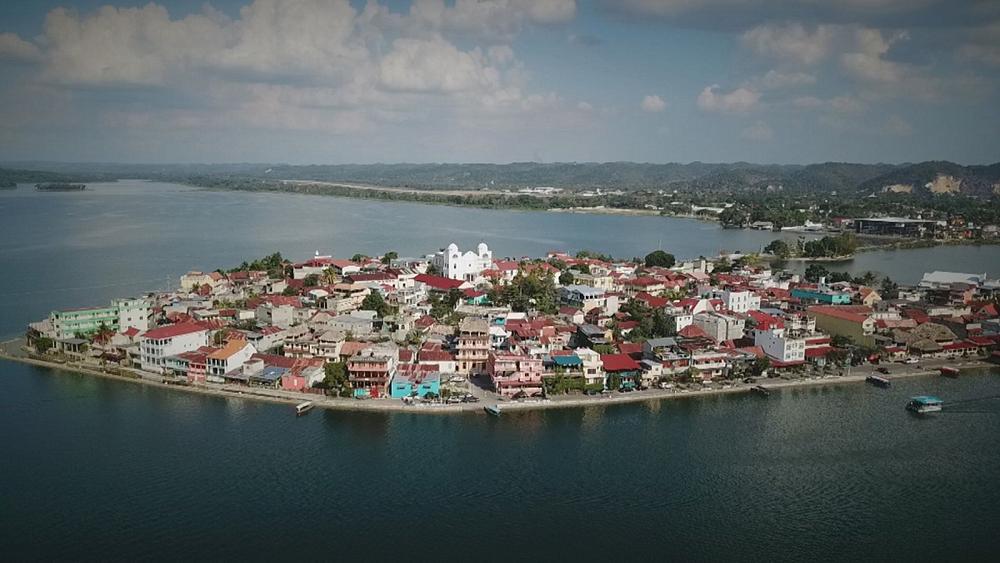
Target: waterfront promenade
(13, 350)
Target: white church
(467, 266)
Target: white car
(910, 361)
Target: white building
(230, 357)
(780, 346)
(133, 313)
(160, 343)
(467, 266)
(720, 327)
(740, 301)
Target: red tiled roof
(692, 331)
(619, 362)
(818, 352)
(171, 331)
(630, 348)
(131, 332)
(438, 282)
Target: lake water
(98, 470)
(76, 249)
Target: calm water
(97, 470)
(129, 237)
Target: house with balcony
(371, 370)
(229, 358)
(156, 345)
(515, 375)
(473, 346)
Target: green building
(121, 315)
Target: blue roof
(568, 360)
(927, 399)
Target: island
(462, 329)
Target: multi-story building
(719, 326)
(740, 301)
(585, 298)
(133, 313)
(156, 345)
(370, 371)
(854, 322)
(514, 374)
(473, 345)
(121, 315)
(230, 357)
(467, 266)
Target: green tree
(359, 257)
(759, 366)
(566, 278)
(816, 271)
(659, 258)
(889, 289)
(779, 248)
(432, 270)
(312, 280)
(336, 378)
(375, 302)
(389, 257)
(43, 344)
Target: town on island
(459, 328)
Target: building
(854, 322)
(467, 266)
(415, 382)
(622, 372)
(515, 375)
(473, 345)
(230, 357)
(740, 301)
(821, 295)
(781, 345)
(370, 371)
(719, 326)
(585, 298)
(120, 316)
(156, 345)
(895, 226)
(944, 280)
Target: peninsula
(457, 329)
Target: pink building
(511, 374)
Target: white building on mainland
(739, 301)
(467, 266)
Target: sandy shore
(563, 401)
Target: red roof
(619, 362)
(131, 332)
(763, 321)
(438, 282)
(631, 348)
(435, 356)
(856, 314)
(818, 352)
(652, 301)
(171, 331)
(692, 331)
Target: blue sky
(334, 81)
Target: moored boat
(492, 409)
(303, 408)
(949, 371)
(761, 390)
(878, 381)
(924, 404)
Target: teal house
(826, 297)
(422, 383)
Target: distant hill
(737, 177)
(938, 177)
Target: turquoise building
(423, 383)
(826, 297)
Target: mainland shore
(12, 351)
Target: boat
(878, 381)
(924, 404)
(303, 408)
(949, 371)
(494, 410)
(761, 390)
(60, 187)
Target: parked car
(883, 370)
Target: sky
(340, 81)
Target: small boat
(761, 390)
(924, 404)
(949, 371)
(878, 381)
(494, 410)
(303, 408)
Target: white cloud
(490, 18)
(435, 65)
(776, 80)
(741, 100)
(866, 62)
(759, 131)
(653, 104)
(14, 48)
(791, 42)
